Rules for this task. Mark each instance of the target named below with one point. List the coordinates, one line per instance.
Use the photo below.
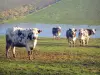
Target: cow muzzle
(34, 37)
(31, 48)
(39, 31)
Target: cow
(21, 37)
(56, 31)
(71, 36)
(84, 35)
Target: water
(47, 28)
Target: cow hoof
(14, 56)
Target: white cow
(84, 35)
(71, 36)
(20, 37)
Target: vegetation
(52, 57)
(65, 12)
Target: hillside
(14, 9)
(67, 11)
(10, 4)
(7, 4)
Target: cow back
(69, 33)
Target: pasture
(52, 57)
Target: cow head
(93, 31)
(81, 32)
(33, 33)
(72, 32)
(39, 31)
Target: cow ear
(75, 29)
(95, 29)
(39, 31)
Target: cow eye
(39, 31)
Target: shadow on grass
(89, 46)
(51, 44)
(95, 46)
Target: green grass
(66, 12)
(53, 57)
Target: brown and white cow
(84, 35)
(20, 37)
(71, 36)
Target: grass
(66, 12)
(52, 57)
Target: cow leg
(29, 55)
(69, 42)
(80, 42)
(53, 37)
(58, 37)
(13, 51)
(35, 42)
(87, 40)
(83, 42)
(29, 52)
(73, 43)
(31, 49)
(7, 49)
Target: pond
(47, 28)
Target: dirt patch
(51, 56)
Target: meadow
(52, 57)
